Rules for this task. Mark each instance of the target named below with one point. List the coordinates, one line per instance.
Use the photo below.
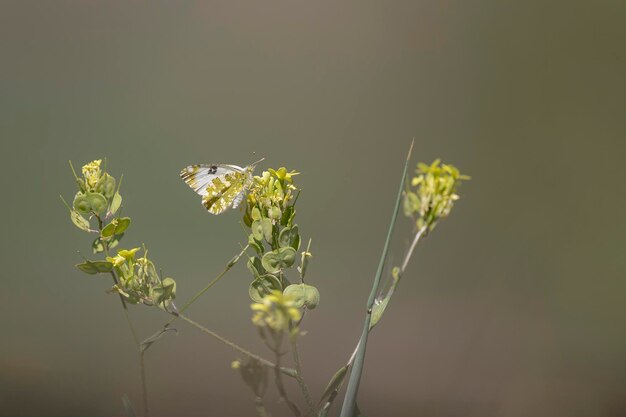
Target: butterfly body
(221, 186)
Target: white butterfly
(221, 186)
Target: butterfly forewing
(199, 176)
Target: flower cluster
(275, 237)
(139, 281)
(96, 190)
(275, 311)
(433, 193)
(98, 198)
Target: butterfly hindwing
(221, 186)
(222, 192)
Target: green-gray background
(515, 306)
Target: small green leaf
(115, 203)
(109, 229)
(79, 221)
(276, 260)
(377, 311)
(262, 286)
(88, 268)
(103, 266)
(334, 384)
(95, 267)
(122, 225)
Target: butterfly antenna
(255, 163)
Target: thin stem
(279, 379)
(287, 371)
(409, 253)
(356, 349)
(405, 262)
(144, 386)
(142, 367)
(230, 264)
(303, 387)
(185, 306)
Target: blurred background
(514, 306)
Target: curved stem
(185, 306)
(287, 371)
(230, 264)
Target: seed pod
(81, 204)
(97, 202)
(106, 186)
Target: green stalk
(349, 404)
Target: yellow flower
(128, 254)
(92, 173)
(123, 256)
(117, 260)
(275, 311)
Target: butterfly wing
(198, 177)
(221, 186)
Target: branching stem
(199, 293)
